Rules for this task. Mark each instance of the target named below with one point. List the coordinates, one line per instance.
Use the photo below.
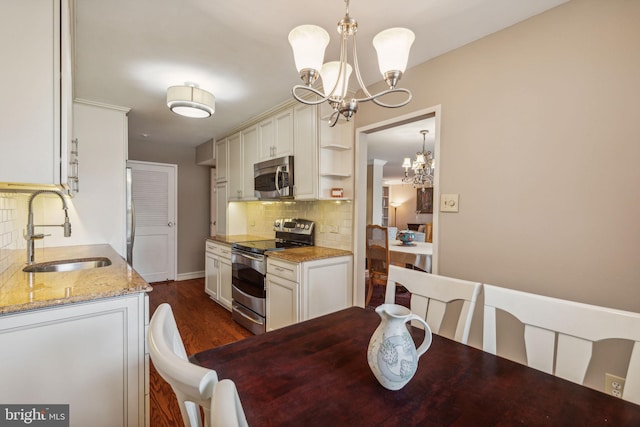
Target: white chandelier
(423, 166)
(309, 43)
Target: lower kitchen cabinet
(302, 291)
(217, 282)
(89, 355)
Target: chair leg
(369, 292)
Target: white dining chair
(559, 334)
(192, 384)
(226, 408)
(419, 236)
(431, 294)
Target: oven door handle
(255, 258)
(251, 319)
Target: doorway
(363, 134)
(155, 202)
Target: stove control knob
(306, 227)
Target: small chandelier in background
(423, 166)
(309, 43)
(191, 101)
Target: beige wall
(539, 136)
(193, 199)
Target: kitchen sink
(67, 265)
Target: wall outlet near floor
(613, 385)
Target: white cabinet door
(282, 302)
(284, 133)
(234, 167)
(224, 278)
(250, 157)
(211, 273)
(275, 135)
(305, 152)
(222, 160)
(266, 139)
(221, 208)
(88, 355)
(30, 46)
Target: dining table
(315, 373)
(416, 254)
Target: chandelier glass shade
(191, 101)
(423, 166)
(309, 43)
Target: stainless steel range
(249, 268)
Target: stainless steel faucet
(30, 236)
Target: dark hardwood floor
(202, 324)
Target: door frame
(174, 167)
(360, 195)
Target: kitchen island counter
(307, 253)
(20, 291)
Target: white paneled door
(154, 200)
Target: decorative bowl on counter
(406, 237)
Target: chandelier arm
(310, 89)
(375, 97)
(357, 70)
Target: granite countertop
(236, 238)
(307, 253)
(20, 291)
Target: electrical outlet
(613, 385)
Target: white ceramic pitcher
(392, 356)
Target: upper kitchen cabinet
(323, 155)
(275, 135)
(250, 157)
(222, 160)
(35, 128)
(234, 167)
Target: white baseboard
(189, 276)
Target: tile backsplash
(333, 219)
(13, 218)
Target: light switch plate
(449, 203)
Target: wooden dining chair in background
(377, 252)
(431, 295)
(226, 408)
(192, 384)
(559, 334)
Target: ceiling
(127, 53)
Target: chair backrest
(419, 236)
(377, 250)
(428, 231)
(192, 384)
(226, 408)
(430, 295)
(393, 231)
(573, 326)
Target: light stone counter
(307, 253)
(20, 291)
(237, 238)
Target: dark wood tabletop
(315, 373)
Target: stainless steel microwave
(273, 179)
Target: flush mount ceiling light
(423, 166)
(309, 42)
(191, 101)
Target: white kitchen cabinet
(305, 151)
(221, 208)
(89, 355)
(302, 291)
(222, 160)
(275, 135)
(217, 282)
(234, 167)
(36, 72)
(250, 157)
